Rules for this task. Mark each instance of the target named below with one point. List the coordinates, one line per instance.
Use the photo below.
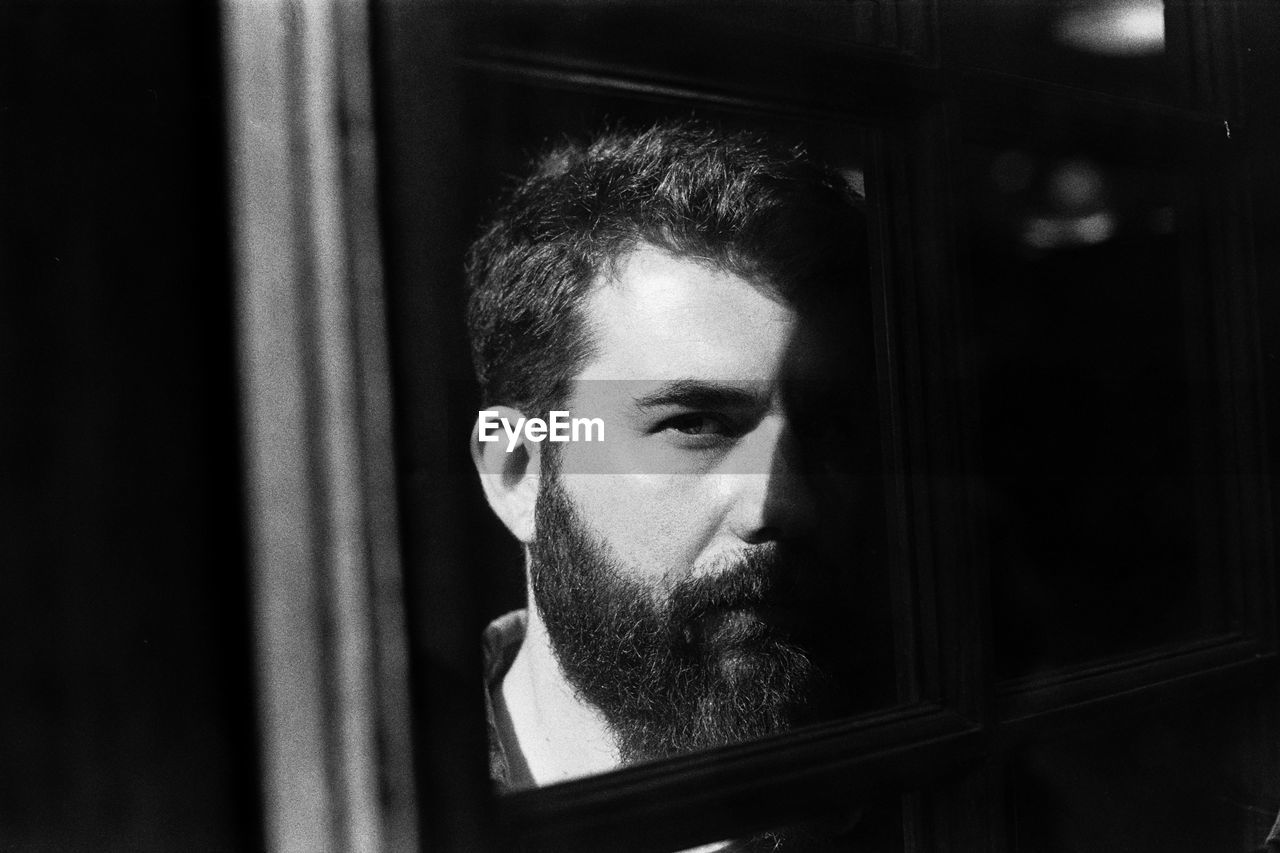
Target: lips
(736, 622)
(724, 628)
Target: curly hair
(769, 214)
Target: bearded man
(692, 290)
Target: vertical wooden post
(316, 414)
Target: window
(1076, 565)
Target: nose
(771, 497)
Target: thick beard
(672, 669)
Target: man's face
(698, 462)
(665, 558)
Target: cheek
(658, 526)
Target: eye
(698, 423)
(699, 429)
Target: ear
(509, 477)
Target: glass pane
(1088, 344)
(1186, 779)
(1115, 46)
(747, 41)
(699, 596)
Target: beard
(698, 663)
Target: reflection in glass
(1113, 46)
(1184, 779)
(1113, 27)
(1092, 455)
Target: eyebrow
(705, 394)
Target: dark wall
(126, 719)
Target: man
(703, 296)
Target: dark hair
(769, 214)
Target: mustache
(760, 578)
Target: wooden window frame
(328, 610)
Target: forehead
(666, 317)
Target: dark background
(126, 711)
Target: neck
(560, 736)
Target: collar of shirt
(501, 641)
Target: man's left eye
(700, 425)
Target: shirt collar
(501, 641)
